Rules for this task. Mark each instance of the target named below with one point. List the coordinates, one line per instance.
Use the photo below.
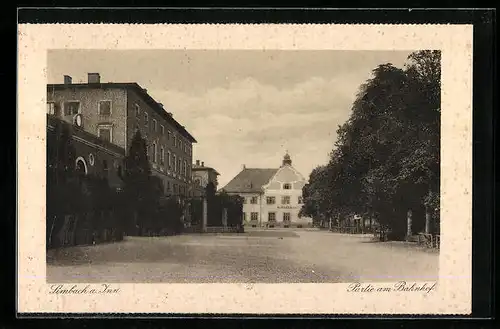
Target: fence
(214, 229)
(347, 229)
(74, 230)
(429, 240)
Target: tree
(385, 161)
(63, 193)
(316, 195)
(139, 188)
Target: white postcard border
(453, 293)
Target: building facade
(202, 176)
(115, 111)
(92, 155)
(272, 197)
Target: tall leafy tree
(386, 158)
(63, 192)
(138, 187)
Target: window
(169, 135)
(244, 200)
(104, 108)
(105, 166)
(154, 153)
(162, 155)
(286, 216)
(244, 216)
(180, 166)
(253, 200)
(51, 108)
(285, 199)
(175, 163)
(168, 185)
(71, 107)
(105, 132)
(175, 140)
(287, 186)
(137, 110)
(146, 119)
(185, 167)
(162, 129)
(254, 216)
(270, 200)
(169, 160)
(271, 216)
(154, 125)
(300, 200)
(180, 144)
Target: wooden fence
(429, 240)
(214, 229)
(347, 229)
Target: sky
(244, 107)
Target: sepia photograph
(242, 166)
(244, 169)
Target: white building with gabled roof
(272, 197)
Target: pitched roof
(200, 168)
(141, 92)
(250, 180)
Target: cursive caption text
(399, 286)
(61, 289)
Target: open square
(257, 256)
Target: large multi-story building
(272, 197)
(115, 111)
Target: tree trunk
(427, 220)
(362, 219)
(409, 215)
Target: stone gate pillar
(204, 217)
(409, 222)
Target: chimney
(244, 167)
(197, 162)
(67, 80)
(94, 78)
(203, 163)
(161, 105)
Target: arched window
(81, 166)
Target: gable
(287, 174)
